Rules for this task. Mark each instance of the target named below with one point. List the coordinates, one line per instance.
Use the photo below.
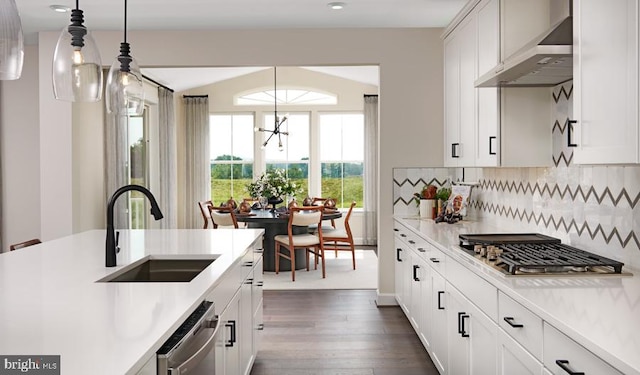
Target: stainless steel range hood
(545, 61)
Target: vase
(427, 208)
(273, 201)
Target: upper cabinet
(491, 126)
(605, 86)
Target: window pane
(342, 158)
(294, 158)
(231, 146)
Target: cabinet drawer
(514, 359)
(521, 324)
(561, 351)
(480, 292)
(436, 259)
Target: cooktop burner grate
(527, 253)
(551, 257)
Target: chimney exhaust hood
(545, 61)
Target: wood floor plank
(337, 332)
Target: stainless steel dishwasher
(191, 349)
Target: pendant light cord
(275, 96)
(77, 4)
(125, 21)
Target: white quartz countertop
(600, 313)
(51, 304)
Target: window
(286, 96)
(294, 157)
(342, 157)
(137, 141)
(231, 151)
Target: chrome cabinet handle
(564, 364)
(509, 321)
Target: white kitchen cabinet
(227, 346)
(514, 359)
(521, 324)
(488, 40)
(460, 95)
(439, 341)
(472, 337)
(605, 82)
(486, 127)
(426, 303)
(562, 355)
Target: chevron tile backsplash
(592, 207)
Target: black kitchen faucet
(112, 240)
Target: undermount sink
(160, 270)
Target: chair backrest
(223, 216)
(305, 216)
(20, 245)
(347, 227)
(206, 215)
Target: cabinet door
(245, 326)
(468, 105)
(488, 44)
(426, 315)
(227, 347)
(514, 359)
(440, 306)
(399, 268)
(605, 80)
(417, 270)
(451, 100)
(256, 306)
(472, 337)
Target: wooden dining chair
(223, 216)
(319, 201)
(341, 239)
(20, 245)
(312, 243)
(204, 210)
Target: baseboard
(386, 299)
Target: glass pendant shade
(77, 71)
(11, 41)
(125, 88)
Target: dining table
(275, 223)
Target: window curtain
(198, 172)
(370, 232)
(168, 189)
(116, 153)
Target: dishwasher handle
(202, 352)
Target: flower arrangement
(273, 183)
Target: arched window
(286, 96)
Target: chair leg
(292, 255)
(321, 252)
(277, 253)
(306, 251)
(353, 255)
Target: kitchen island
(524, 324)
(52, 304)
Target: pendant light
(125, 88)
(11, 41)
(77, 67)
(277, 121)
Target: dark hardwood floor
(337, 332)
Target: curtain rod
(370, 95)
(157, 83)
(195, 96)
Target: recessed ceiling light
(60, 8)
(336, 5)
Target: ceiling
(232, 14)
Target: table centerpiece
(274, 184)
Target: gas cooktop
(535, 254)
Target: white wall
(20, 154)
(411, 94)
